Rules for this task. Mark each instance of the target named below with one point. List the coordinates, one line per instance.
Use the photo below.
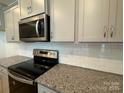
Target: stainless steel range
(23, 75)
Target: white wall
(2, 45)
(7, 49)
(99, 56)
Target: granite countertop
(8, 61)
(71, 79)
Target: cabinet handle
(104, 34)
(112, 30)
(29, 9)
(111, 34)
(105, 31)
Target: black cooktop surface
(29, 69)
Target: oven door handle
(37, 32)
(30, 82)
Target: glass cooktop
(30, 69)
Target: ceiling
(5, 3)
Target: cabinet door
(1, 85)
(16, 24)
(5, 84)
(38, 6)
(25, 8)
(4, 80)
(116, 21)
(93, 20)
(42, 89)
(9, 25)
(62, 20)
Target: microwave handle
(37, 32)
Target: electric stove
(25, 73)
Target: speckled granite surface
(70, 79)
(8, 61)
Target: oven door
(34, 28)
(19, 84)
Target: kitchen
(85, 37)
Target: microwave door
(28, 30)
(35, 29)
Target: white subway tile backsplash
(97, 50)
(100, 56)
(107, 65)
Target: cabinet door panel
(24, 8)
(4, 84)
(16, 24)
(1, 85)
(62, 20)
(116, 21)
(38, 6)
(9, 25)
(95, 20)
(42, 89)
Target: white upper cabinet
(116, 21)
(11, 24)
(99, 21)
(62, 15)
(16, 18)
(38, 6)
(31, 7)
(25, 8)
(93, 20)
(119, 22)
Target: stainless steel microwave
(36, 28)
